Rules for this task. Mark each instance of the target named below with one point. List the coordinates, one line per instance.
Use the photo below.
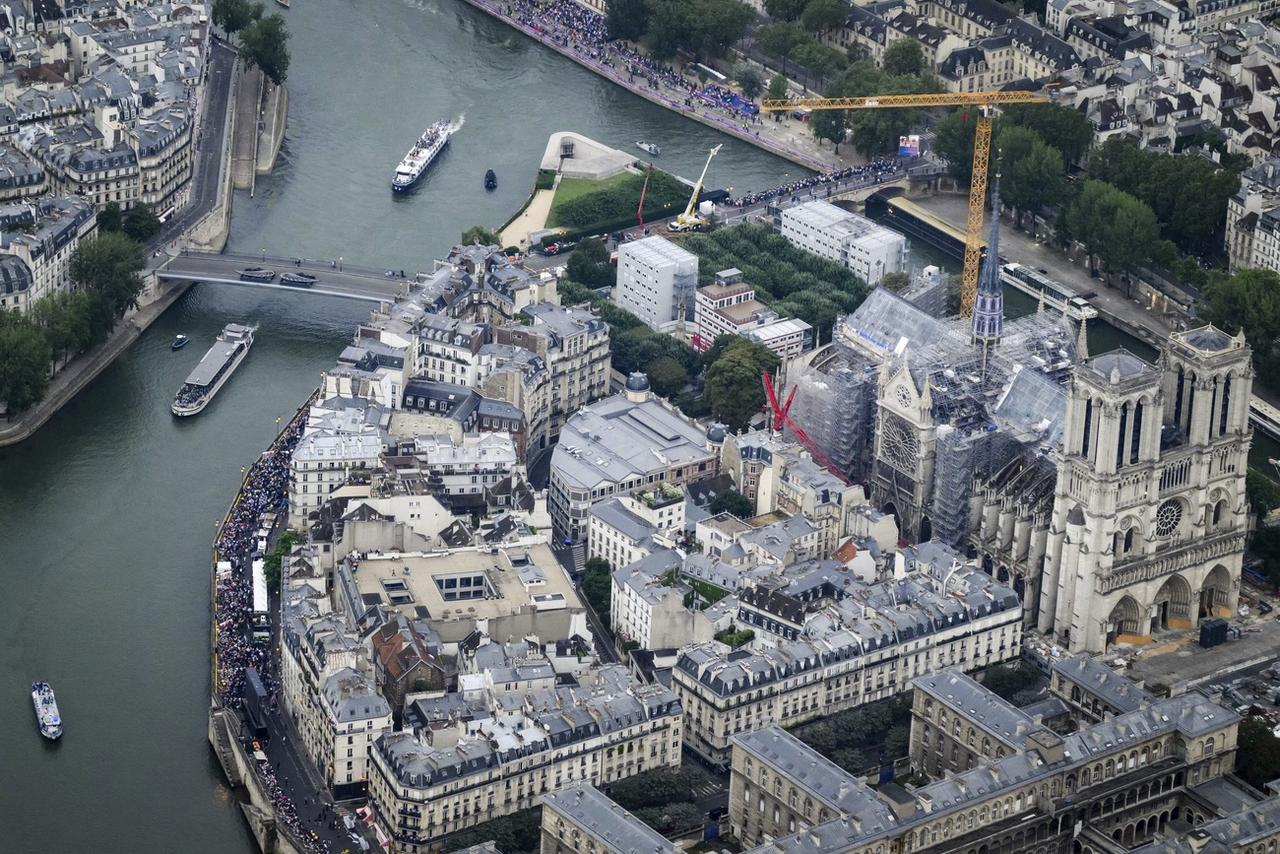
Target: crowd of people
(264, 491)
(585, 32)
(880, 169)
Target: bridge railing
(288, 262)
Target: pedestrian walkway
(580, 34)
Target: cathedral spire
(1082, 341)
(988, 309)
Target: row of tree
(874, 132)
(263, 38)
(700, 28)
(60, 325)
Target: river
(106, 516)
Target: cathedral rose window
(1168, 516)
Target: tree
(750, 81)
(734, 502)
(234, 15)
(109, 218)
(483, 236)
(778, 90)
(1248, 300)
(823, 16)
(597, 586)
(667, 376)
(721, 23)
(1263, 492)
(25, 357)
(1257, 752)
(784, 10)
(779, 40)
(904, 56)
(953, 142)
(1066, 129)
(1030, 171)
(589, 265)
(141, 223)
(265, 44)
(896, 281)
(1129, 238)
(627, 19)
(66, 322)
(830, 125)
(733, 385)
(108, 265)
(821, 60)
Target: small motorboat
(299, 280)
(284, 3)
(179, 341)
(490, 180)
(649, 148)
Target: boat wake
(454, 127)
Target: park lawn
(572, 188)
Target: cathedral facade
(1149, 512)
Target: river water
(106, 516)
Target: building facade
(656, 282)
(1150, 513)
(869, 250)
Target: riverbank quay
(207, 217)
(279, 819)
(780, 138)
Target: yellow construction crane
(988, 105)
(690, 219)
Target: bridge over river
(334, 278)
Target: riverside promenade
(576, 32)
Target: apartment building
(656, 282)
(620, 444)
(867, 249)
(343, 436)
(579, 819)
(625, 528)
(486, 756)
(876, 638)
(37, 241)
(729, 306)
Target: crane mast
(690, 220)
(988, 104)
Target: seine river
(107, 514)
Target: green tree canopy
(68, 321)
(904, 56)
(589, 265)
(265, 44)
(108, 266)
(627, 19)
(733, 501)
(778, 88)
(780, 39)
(750, 80)
(141, 223)
(25, 359)
(823, 16)
(1258, 752)
(699, 27)
(733, 386)
(1187, 194)
(110, 217)
(1114, 227)
(1066, 129)
(667, 376)
(1030, 171)
(823, 61)
(953, 142)
(785, 10)
(234, 15)
(483, 236)
(829, 125)
(1248, 300)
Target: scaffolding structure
(988, 406)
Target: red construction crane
(781, 417)
(644, 189)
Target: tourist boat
(490, 180)
(226, 354)
(179, 341)
(297, 280)
(649, 148)
(284, 3)
(46, 710)
(414, 165)
(257, 274)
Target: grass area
(709, 592)
(572, 188)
